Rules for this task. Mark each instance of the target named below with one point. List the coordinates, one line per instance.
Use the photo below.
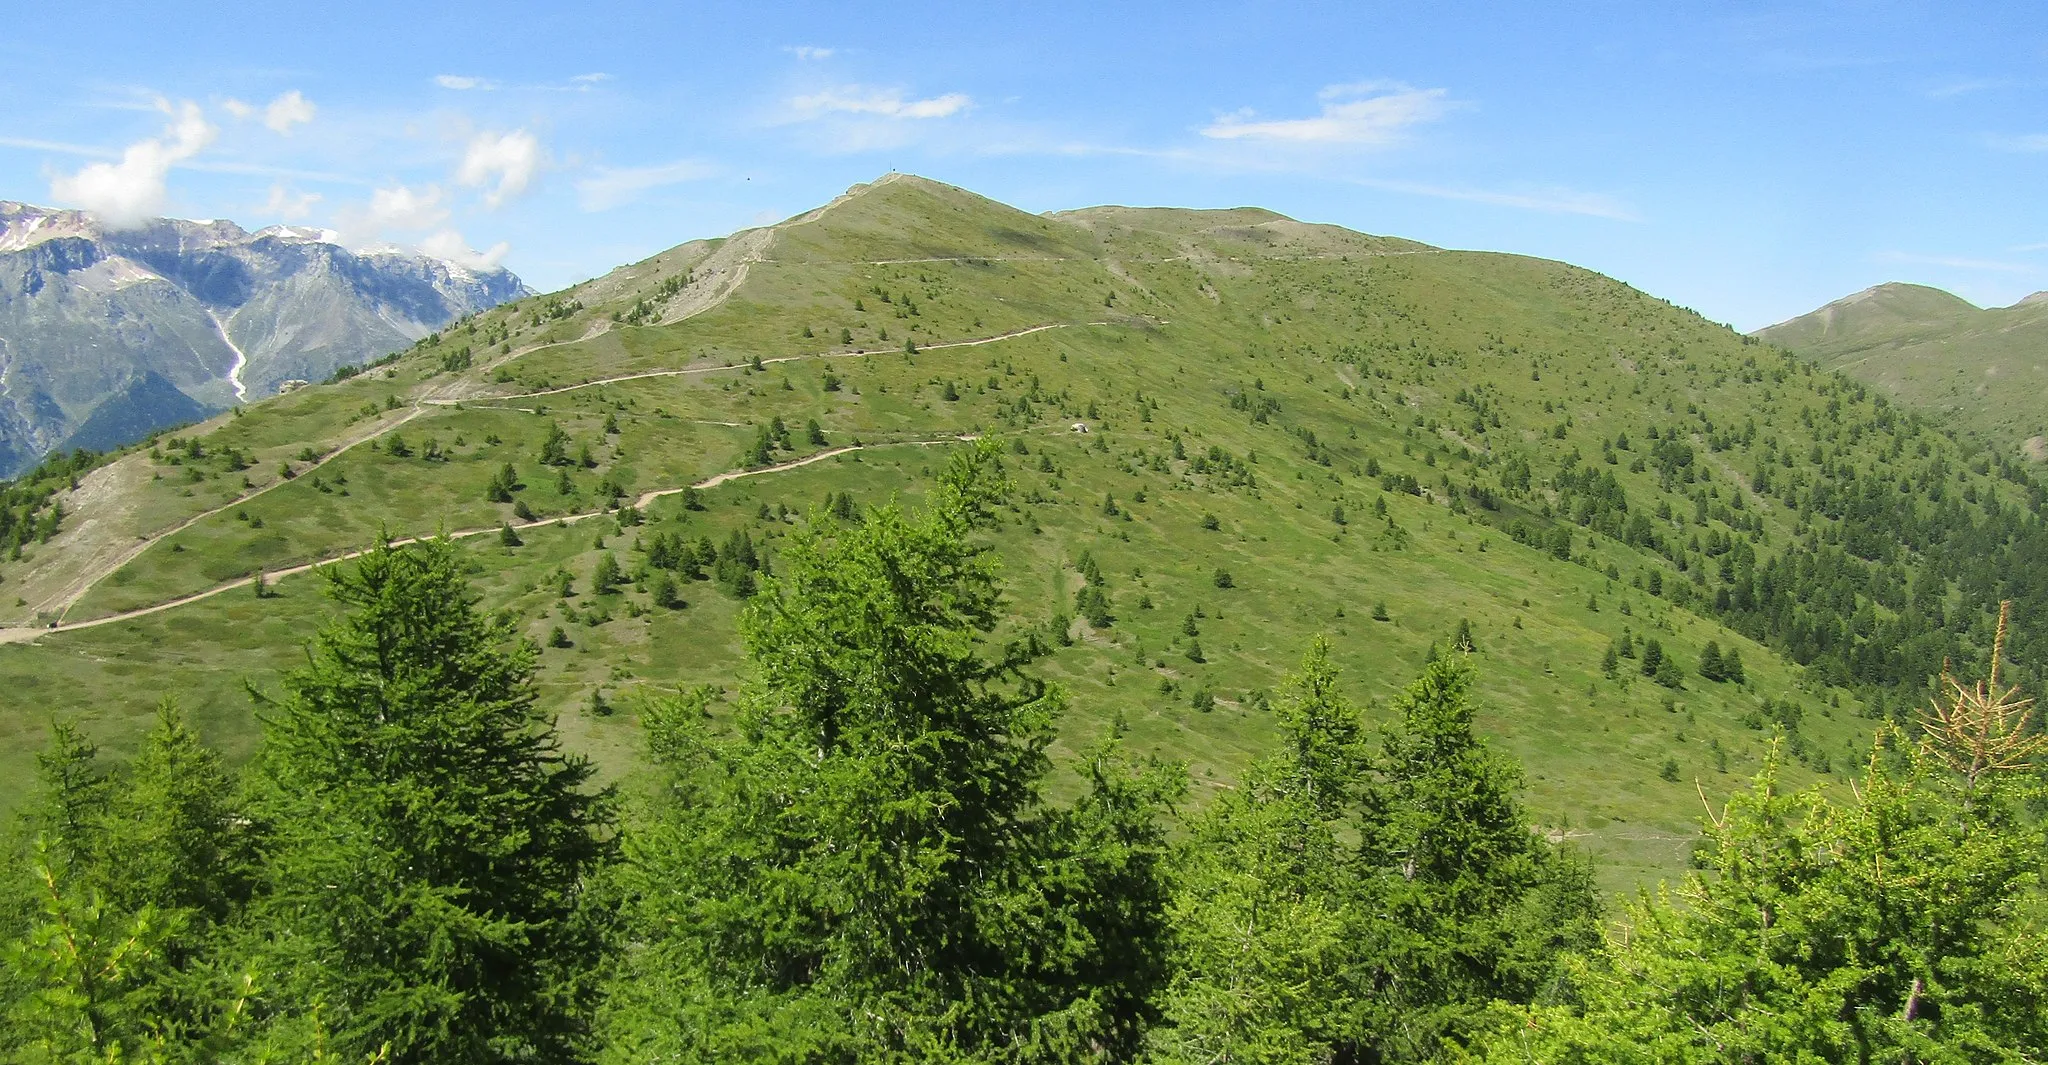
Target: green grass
(1362, 341)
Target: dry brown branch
(1982, 728)
(1711, 816)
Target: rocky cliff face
(107, 334)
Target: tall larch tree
(428, 846)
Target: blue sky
(1751, 161)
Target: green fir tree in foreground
(867, 869)
(427, 845)
(1361, 901)
(126, 881)
(405, 878)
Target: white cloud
(403, 208)
(288, 110)
(288, 205)
(610, 187)
(888, 103)
(591, 78)
(808, 53)
(462, 82)
(504, 161)
(407, 210)
(448, 244)
(132, 189)
(1367, 113)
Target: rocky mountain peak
(106, 333)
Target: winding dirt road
(646, 374)
(83, 584)
(29, 634)
(90, 579)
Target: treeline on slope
(860, 864)
(1906, 536)
(29, 513)
(485, 329)
(1891, 568)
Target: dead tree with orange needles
(1981, 727)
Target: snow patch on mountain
(113, 273)
(298, 235)
(25, 225)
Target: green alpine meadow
(920, 630)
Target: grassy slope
(1986, 366)
(1166, 315)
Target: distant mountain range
(106, 334)
(1988, 367)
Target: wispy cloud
(808, 53)
(2024, 142)
(1964, 87)
(131, 189)
(1547, 201)
(886, 103)
(504, 163)
(403, 207)
(1366, 113)
(34, 145)
(473, 83)
(232, 166)
(124, 98)
(609, 187)
(450, 245)
(1812, 62)
(409, 211)
(1955, 262)
(287, 204)
(211, 166)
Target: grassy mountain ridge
(1291, 429)
(1983, 367)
